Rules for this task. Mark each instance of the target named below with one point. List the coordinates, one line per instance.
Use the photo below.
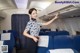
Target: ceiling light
(44, 5)
(21, 3)
(39, 4)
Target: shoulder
(29, 22)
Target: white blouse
(33, 27)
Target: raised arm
(49, 22)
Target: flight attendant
(33, 26)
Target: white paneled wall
(69, 24)
(74, 24)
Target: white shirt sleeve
(40, 23)
(28, 26)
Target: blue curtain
(19, 22)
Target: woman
(34, 27)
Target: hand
(57, 13)
(56, 16)
(35, 39)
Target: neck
(33, 19)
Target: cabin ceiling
(24, 4)
(38, 4)
(7, 4)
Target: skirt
(32, 46)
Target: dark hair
(31, 10)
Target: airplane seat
(50, 44)
(77, 42)
(62, 51)
(54, 33)
(62, 33)
(10, 43)
(63, 42)
(4, 31)
(51, 35)
(44, 48)
(44, 31)
(15, 34)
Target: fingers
(35, 39)
(57, 13)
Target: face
(34, 14)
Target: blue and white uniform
(34, 27)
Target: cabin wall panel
(6, 23)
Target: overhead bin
(65, 10)
(51, 8)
